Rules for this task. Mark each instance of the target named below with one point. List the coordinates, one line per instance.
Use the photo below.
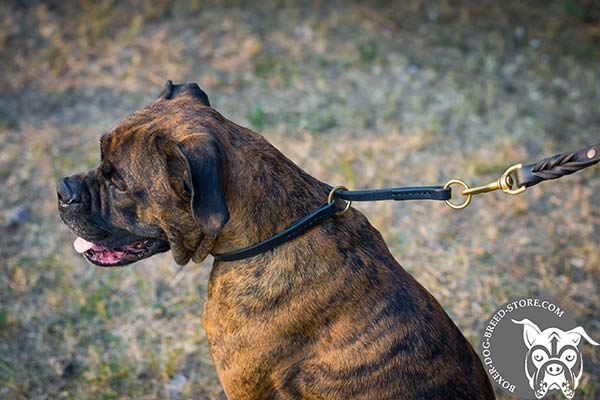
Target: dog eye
(113, 178)
(118, 183)
(106, 170)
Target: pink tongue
(82, 245)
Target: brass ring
(330, 199)
(468, 197)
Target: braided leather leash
(518, 178)
(515, 180)
(557, 166)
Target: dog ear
(167, 91)
(208, 200)
(530, 331)
(194, 166)
(171, 91)
(576, 334)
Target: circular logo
(530, 349)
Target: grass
(258, 118)
(410, 93)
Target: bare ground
(363, 94)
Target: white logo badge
(553, 361)
(530, 349)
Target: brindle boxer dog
(328, 315)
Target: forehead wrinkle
(113, 142)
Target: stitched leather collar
(332, 208)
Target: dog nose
(554, 369)
(66, 195)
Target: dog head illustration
(553, 361)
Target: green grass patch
(345, 167)
(368, 52)
(258, 118)
(573, 9)
(8, 320)
(266, 66)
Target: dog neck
(281, 191)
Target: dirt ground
(364, 94)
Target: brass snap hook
(504, 183)
(330, 199)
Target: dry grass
(361, 94)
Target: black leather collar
(332, 208)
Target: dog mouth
(128, 253)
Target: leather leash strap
(332, 208)
(398, 194)
(515, 180)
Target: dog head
(158, 185)
(553, 360)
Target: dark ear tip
(167, 91)
(171, 91)
(214, 221)
(195, 91)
